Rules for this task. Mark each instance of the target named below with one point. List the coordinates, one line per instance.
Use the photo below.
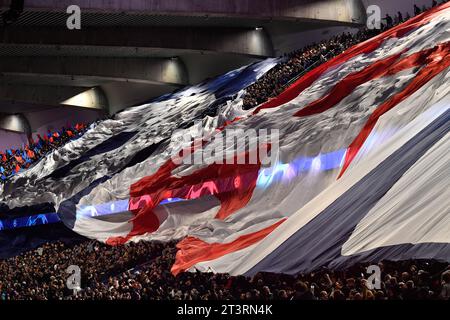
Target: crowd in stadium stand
(141, 271)
(14, 160)
(275, 80)
(296, 63)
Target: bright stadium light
(91, 98)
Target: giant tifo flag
(362, 172)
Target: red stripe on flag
(436, 60)
(363, 48)
(347, 85)
(384, 67)
(233, 184)
(193, 250)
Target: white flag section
(361, 173)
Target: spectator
(389, 21)
(417, 10)
(445, 293)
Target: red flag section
(363, 48)
(233, 184)
(347, 85)
(193, 250)
(436, 60)
(430, 59)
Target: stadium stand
(13, 161)
(141, 270)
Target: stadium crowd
(12, 161)
(141, 271)
(276, 79)
(296, 63)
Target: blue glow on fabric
(284, 172)
(30, 221)
(112, 207)
(280, 172)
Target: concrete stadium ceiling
(135, 50)
(160, 11)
